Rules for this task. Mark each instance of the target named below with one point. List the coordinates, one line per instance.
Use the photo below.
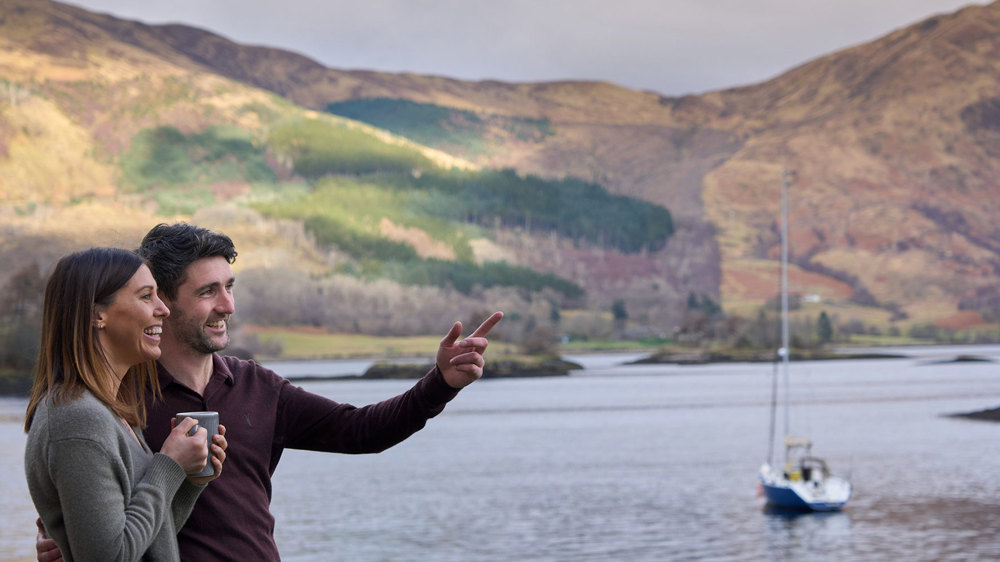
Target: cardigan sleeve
(183, 502)
(186, 496)
(101, 523)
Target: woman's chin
(151, 353)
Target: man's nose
(226, 304)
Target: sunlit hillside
(891, 147)
(391, 203)
(339, 224)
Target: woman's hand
(46, 548)
(218, 457)
(190, 451)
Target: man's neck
(191, 368)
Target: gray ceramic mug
(210, 421)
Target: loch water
(637, 462)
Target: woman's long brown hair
(70, 358)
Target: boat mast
(785, 351)
(774, 404)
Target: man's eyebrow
(208, 286)
(230, 281)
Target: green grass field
(298, 345)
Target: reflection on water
(798, 535)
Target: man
(264, 414)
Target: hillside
(891, 146)
(339, 225)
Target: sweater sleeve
(308, 421)
(183, 502)
(92, 482)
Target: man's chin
(220, 344)
(212, 345)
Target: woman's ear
(100, 318)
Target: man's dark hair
(169, 249)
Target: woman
(100, 492)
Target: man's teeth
(218, 324)
(154, 331)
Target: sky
(673, 47)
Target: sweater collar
(219, 369)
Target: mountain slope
(894, 161)
(107, 130)
(891, 147)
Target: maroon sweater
(265, 414)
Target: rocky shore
(494, 369)
(700, 357)
(992, 414)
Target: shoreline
(387, 366)
(711, 357)
(987, 415)
(860, 351)
(502, 368)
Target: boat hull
(828, 495)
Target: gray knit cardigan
(99, 493)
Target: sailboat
(804, 481)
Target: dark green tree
(618, 310)
(620, 314)
(824, 328)
(20, 319)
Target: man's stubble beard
(194, 336)
(205, 345)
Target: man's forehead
(207, 271)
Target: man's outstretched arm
(312, 422)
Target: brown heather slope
(892, 147)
